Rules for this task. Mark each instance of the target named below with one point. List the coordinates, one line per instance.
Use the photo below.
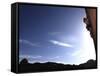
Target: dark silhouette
(24, 61)
(24, 66)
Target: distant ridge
(24, 66)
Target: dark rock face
(91, 23)
(24, 66)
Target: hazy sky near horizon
(54, 34)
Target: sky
(54, 34)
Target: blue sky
(54, 34)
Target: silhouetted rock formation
(24, 61)
(89, 64)
(24, 66)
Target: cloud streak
(76, 53)
(29, 43)
(56, 57)
(60, 43)
(30, 56)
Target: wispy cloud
(76, 53)
(30, 56)
(60, 43)
(28, 42)
(56, 57)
